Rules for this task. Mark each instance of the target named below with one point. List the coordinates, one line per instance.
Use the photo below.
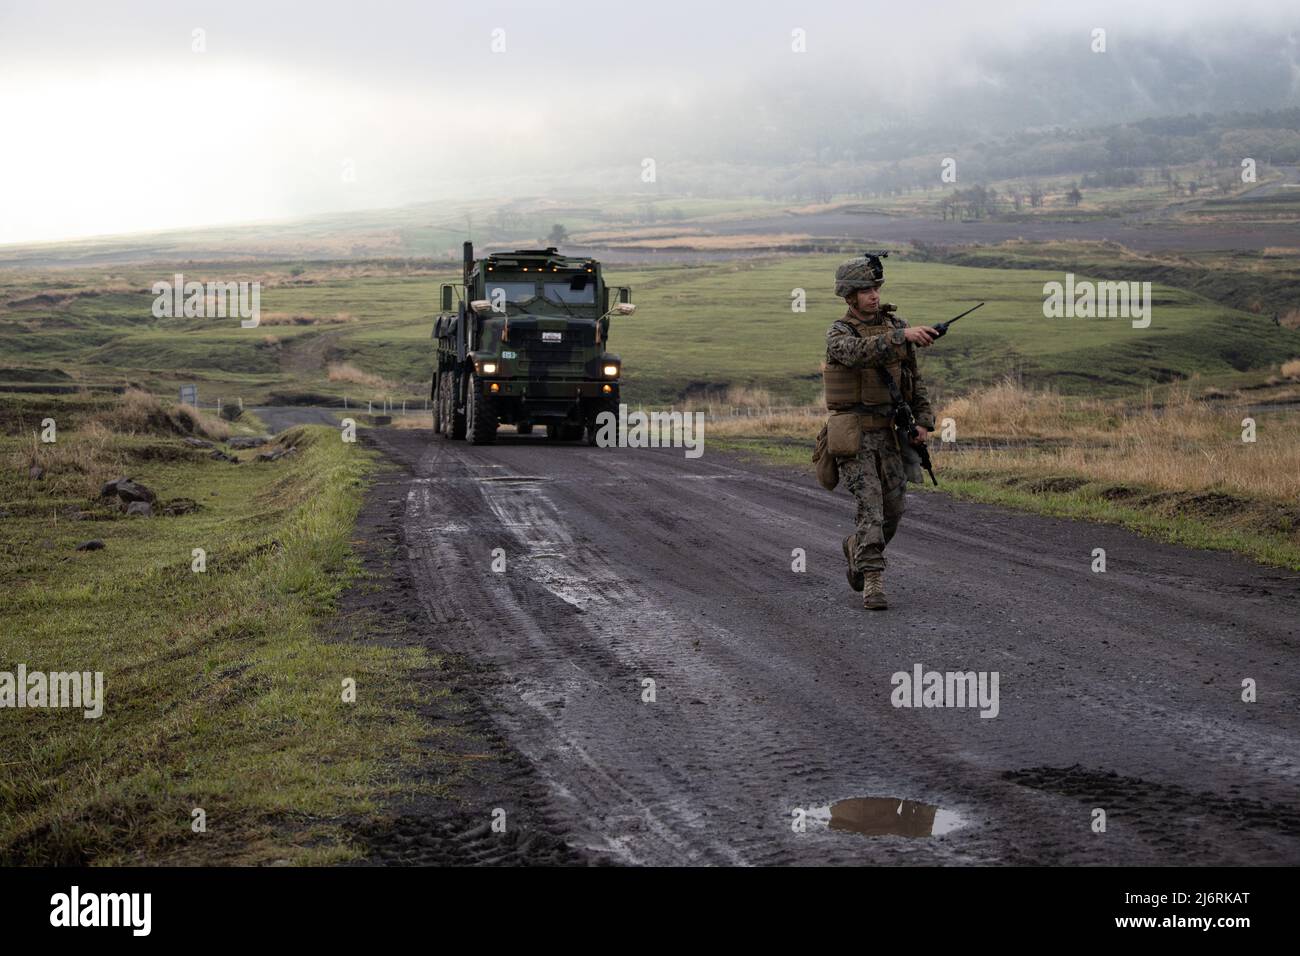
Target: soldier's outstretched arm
(854, 351)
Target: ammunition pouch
(844, 435)
(828, 469)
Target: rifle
(905, 422)
(942, 327)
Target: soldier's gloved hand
(921, 335)
(921, 435)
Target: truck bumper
(528, 389)
(521, 399)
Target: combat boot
(873, 591)
(855, 577)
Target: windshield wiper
(564, 305)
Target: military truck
(524, 340)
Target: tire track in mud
(773, 687)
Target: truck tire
(524, 428)
(435, 396)
(453, 423)
(480, 417)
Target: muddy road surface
(773, 691)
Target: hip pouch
(844, 434)
(828, 470)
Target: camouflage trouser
(878, 480)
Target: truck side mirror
(625, 293)
(447, 293)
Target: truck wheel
(552, 432)
(453, 422)
(571, 432)
(435, 396)
(481, 419)
(524, 428)
(447, 419)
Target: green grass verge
(222, 690)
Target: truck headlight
(611, 371)
(488, 368)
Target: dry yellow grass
(347, 372)
(796, 424)
(82, 459)
(413, 420)
(78, 463)
(198, 422)
(1184, 445)
(140, 412)
(1291, 369)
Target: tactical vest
(864, 389)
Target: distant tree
(558, 235)
(1074, 197)
(1036, 194)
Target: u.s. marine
(865, 349)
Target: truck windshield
(512, 291)
(560, 292)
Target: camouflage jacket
(845, 346)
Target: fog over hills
(158, 116)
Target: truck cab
(527, 344)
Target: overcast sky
(112, 122)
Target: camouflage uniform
(877, 476)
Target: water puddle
(887, 816)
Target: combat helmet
(864, 272)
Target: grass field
(223, 689)
(698, 328)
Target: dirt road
(1119, 691)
